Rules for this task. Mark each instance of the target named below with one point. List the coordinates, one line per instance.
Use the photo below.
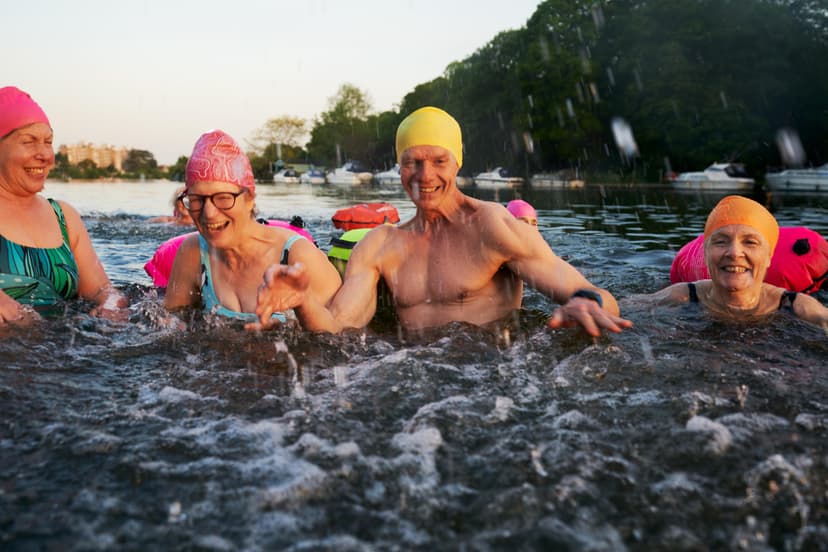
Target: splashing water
(624, 139)
(790, 147)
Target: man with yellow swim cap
(458, 258)
(739, 238)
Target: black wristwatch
(589, 294)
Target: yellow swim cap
(741, 210)
(430, 126)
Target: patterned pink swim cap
(18, 109)
(217, 157)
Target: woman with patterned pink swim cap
(220, 268)
(46, 255)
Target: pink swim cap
(218, 158)
(18, 109)
(520, 208)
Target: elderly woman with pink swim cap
(739, 239)
(46, 255)
(221, 267)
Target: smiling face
(26, 157)
(428, 174)
(737, 257)
(220, 226)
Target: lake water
(680, 434)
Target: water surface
(681, 434)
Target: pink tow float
(799, 263)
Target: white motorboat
(558, 180)
(718, 177)
(799, 180)
(498, 178)
(286, 176)
(349, 174)
(312, 176)
(391, 177)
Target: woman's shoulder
(68, 210)
(675, 294)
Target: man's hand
(283, 288)
(588, 314)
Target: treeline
(696, 81)
(138, 164)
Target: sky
(155, 74)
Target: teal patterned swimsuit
(36, 276)
(208, 294)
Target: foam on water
(184, 432)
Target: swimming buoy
(160, 265)
(342, 246)
(340, 253)
(365, 215)
(799, 263)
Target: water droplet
(624, 139)
(790, 147)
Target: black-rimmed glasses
(222, 200)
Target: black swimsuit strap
(787, 300)
(691, 288)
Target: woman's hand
(12, 312)
(111, 305)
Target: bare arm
(536, 264)
(93, 283)
(307, 285)
(324, 278)
(353, 305)
(811, 310)
(183, 288)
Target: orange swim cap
(741, 210)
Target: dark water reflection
(681, 434)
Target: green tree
(285, 130)
(178, 171)
(342, 132)
(141, 162)
(88, 170)
(697, 81)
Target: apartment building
(102, 156)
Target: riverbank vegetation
(696, 82)
(693, 82)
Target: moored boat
(286, 176)
(350, 173)
(557, 180)
(391, 177)
(498, 178)
(799, 180)
(718, 177)
(312, 176)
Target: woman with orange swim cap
(739, 238)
